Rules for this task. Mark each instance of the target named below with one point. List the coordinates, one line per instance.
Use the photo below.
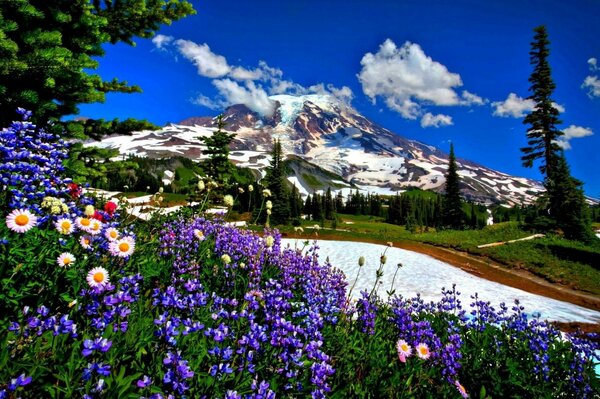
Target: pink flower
(461, 389)
(404, 350)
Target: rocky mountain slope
(335, 138)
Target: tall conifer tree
(542, 132)
(276, 181)
(566, 201)
(217, 149)
(453, 214)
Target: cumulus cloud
(407, 79)
(469, 98)
(209, 64)
(430, 120)
(513, 106)
(162, 41)
(207, 102)
(591, 83)
(516, 107)
(573, 132)
(240, 85)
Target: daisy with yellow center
(111, 234)
(95, 227)
(64, 226)
(65, 259)
(21, 220)
(461, 389)
(86, 242)
(199, 235)
(404, 350)
(122, 247)
(97, 277)
(423, 351)
(83, 223)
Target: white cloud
(430, 120)
(573, 132)
(592, 83)
(207, 102)
(559, 107)
(250, 94)
(407, 79)
(469, 98)
(239, 85)
(161, 41)
(514, 106)
(209, 64)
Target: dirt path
(489, 270)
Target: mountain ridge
(332, 135)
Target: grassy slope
(553, 258)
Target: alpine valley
(328, 144)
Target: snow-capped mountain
(335, 138)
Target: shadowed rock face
(337, 139)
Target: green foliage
(218, 166)
(567, 203)
(453, 215)
(543, 119)
(47, 49)
(276, 181)
(98, 128)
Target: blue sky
(435, 71)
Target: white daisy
(111, 234)
(95, 227)
(86, 242)
(21, 220)
(65, 259)
(97, 277)
(64, 226)
(83, 223)
(122, 247)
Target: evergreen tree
(316, 208)
(218, 166)
(308, 206)
(295, 203)
(339, 202)
(328, 205)
(49, 48)
(566, 202)
(276, 181)
(542, 132)
(453, 214)
(565, 193)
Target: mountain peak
(327, 133)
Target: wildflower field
(96, 305)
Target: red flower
(110, 207)
(98, 216)
(74, 190)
